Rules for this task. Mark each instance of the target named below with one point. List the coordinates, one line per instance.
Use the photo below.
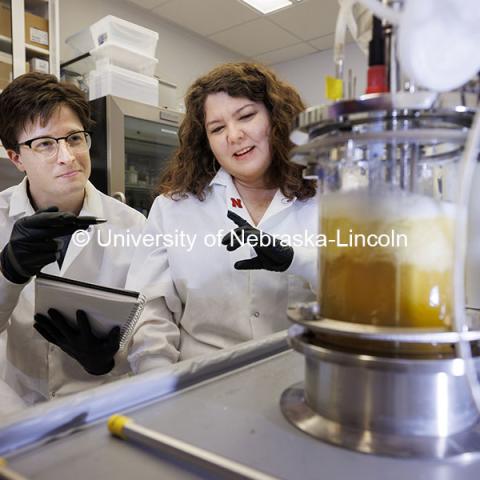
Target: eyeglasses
(47, 147)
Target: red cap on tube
(377, 79)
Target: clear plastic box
(114, 54)
(116, 30)
(117, 81)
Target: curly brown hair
(192, 166)
(37, 96)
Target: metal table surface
(236, 415)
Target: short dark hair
(36, 96)
(193, 165)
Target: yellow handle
(116, 424)
(333, 88)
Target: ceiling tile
(308, 19)
(285, 54)
(206, 16)
(149, 4)
(323, 43)
(254, 38)
(327, 41)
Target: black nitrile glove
(94, 352)
(32, 242)
(272, 256)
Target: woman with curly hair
(230, 203)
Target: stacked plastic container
(124, 55)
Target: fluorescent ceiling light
(268, 6)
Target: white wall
(308, 73)
(182, 56)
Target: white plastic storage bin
(116, 30)
(117, 81)
(113, 54)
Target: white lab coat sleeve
(156, 340)
(9, 296)
(10, 402)
(304, 264)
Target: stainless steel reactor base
(417, 406)
(298, 413)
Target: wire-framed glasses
(47, 147)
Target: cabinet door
(148, 147)
(41, 36)
(6, 74)
(28, 38)
(29, 41)
(6, 57)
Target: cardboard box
(36, 30)
(38, 65)
(6, 69)
(5, 74)
(5, 21)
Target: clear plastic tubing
(467, 167)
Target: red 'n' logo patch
(236, 202)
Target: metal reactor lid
(325, 118)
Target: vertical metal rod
(404, 152)
(339, 65)
(408, 166)
(393, 67)
(349, 84)
(392, 63)
(404, 170)
(414, 158)
(395, 173)
(389, 165)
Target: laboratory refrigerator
(131, 145)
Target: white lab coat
(34, 368)
(197, 301)
(10, 402)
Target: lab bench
(227, 404)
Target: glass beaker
(391, 261)
(387, 217)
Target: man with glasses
(44, 127)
